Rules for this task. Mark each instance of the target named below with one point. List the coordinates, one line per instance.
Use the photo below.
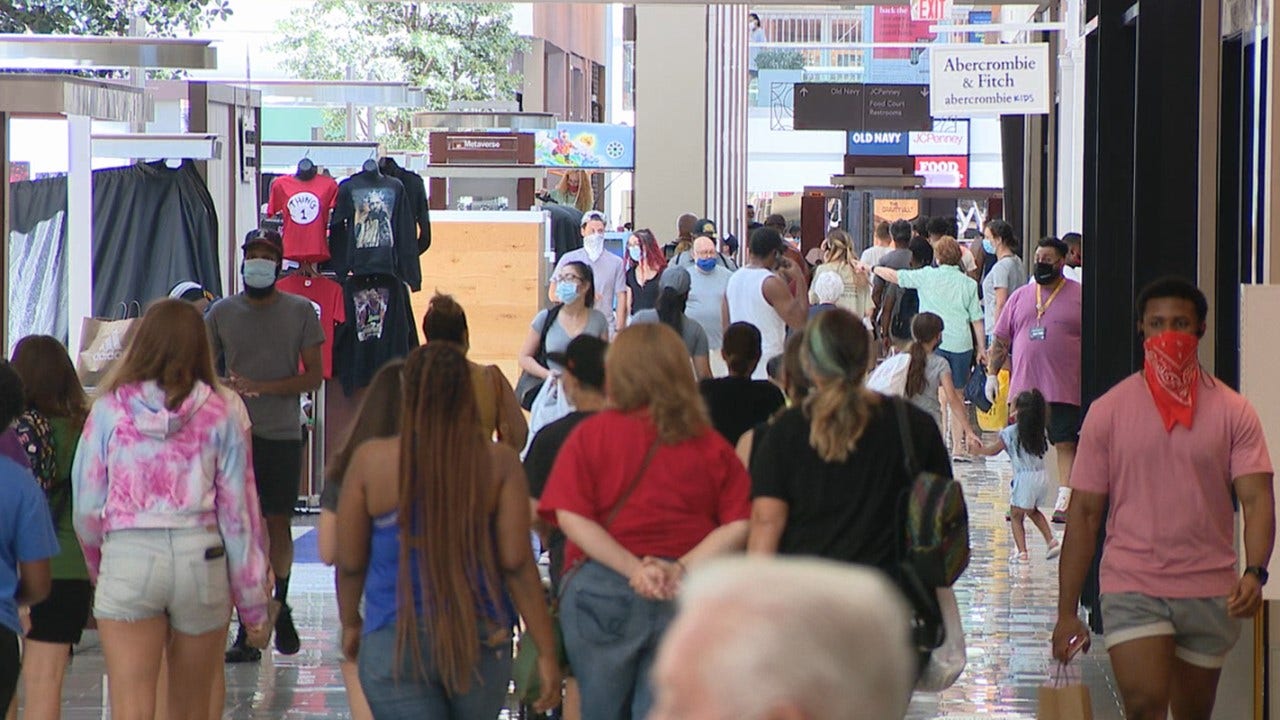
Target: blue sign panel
(878, 143)
(978, 17)
(597, 146)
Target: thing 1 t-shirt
(306, 205)
(331, 309)
(1171, 530)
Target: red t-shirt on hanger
(306, 205)
(326, 297)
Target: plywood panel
(1259, 348)
(492, 270)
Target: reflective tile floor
(1007, 610)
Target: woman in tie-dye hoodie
(166, 512)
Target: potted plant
(779, 71)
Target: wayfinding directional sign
(859, 107)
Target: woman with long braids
(437, 520)
(828, 476)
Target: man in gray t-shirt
(262, 336)
(708, 278)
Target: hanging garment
(379, 327)
(153, 227)
(416, 188)
(306, 205)
(372, 231)
(37, 276)
(331, 308)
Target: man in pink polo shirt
(1165, 448)
(1040, 325)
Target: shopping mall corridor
(1007, 610)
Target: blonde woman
(644, 491)
(838, 258)
(574, 190)
(828, 476)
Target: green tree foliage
(454, 51)
(167, 18)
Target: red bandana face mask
(1172, 371)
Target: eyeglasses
(566, 278)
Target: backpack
(904, 311)
(36, 437)
(890, 377)
(936, 524)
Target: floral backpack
(36, 437)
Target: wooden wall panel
(492, 270)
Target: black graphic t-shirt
(379, 328)
(416, 188)
(373, 230)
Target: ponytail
(915, 371)
(926, 327)
(838, 416)
(837, 346)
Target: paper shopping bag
(1064, 697)
(102, 345)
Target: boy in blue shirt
(27, 541)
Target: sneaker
(287, 640)
(240, 652)
(1060, 517)
(1021, 557)
(1055, 549)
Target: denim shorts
(178, 573)
(1203, 633)
(961, 364)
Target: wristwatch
(1259, 572)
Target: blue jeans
(961, 364)
(611, 635)
(412, 696)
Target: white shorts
(178, 573)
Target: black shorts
(62, 616)
(1064, 423)
(10, 664)
(277, 466)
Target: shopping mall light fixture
(74, 52)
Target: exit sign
(931, 10)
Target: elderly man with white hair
(786, 639)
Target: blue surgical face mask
(566, 291)
(259, 273)
(706, 264)
(635, 252)
(989, 246)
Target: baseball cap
(676, 278)
(583, 359)
(268, 238)
(704, 227)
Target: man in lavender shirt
(1040, 325)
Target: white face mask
(594, 245)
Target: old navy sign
(948, 137)
(878, 143)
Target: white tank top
(747, 303)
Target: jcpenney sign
(948, 137)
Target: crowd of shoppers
(163, 501)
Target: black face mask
(1045, 273)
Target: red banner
(943, 172)
(893, 23)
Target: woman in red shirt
(645, 491)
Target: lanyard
(1043, 307)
